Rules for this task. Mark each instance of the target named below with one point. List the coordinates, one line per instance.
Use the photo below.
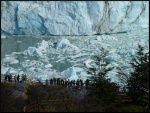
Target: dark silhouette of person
(15, 78)
(6, 76)
(58, 81)
(10, 77)
(46, 82)
(54, 79)
(51, 81)
(87, 83)
(66, 82)
(62, 82)
(18, 78)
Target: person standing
(51, 81)
(18, 78)
(15, 78)
(46, 82)
(6, 77)
(10, 77)
(58, 81)
(70, 84)
(22, 78)
(25, 78)
(62, 82)
(87, 83)
(54, 79)
(79, 86)
(66, 83)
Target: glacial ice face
(72, 17)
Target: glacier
(72, 17)
(47, 39)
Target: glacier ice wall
(72, 17)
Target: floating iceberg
(10, 60)
(30, 51)
(73, 75)
(66, 45)
(48, 65)
(3, 36)
(4, 70)
(87, 63)
(112, 57)
(42, 48)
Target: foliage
(6, 97)
(41, 96)
(101, 89)
(131, 108)
(122, 76)
(10, 102)
(138, 82)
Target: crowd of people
(52, 81)
(55, 81)
(68, 83)
(16, 78)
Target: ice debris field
(67, 57)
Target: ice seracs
(73, 18)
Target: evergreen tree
(138, 82)
(101, 89)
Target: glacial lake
(121, 45)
